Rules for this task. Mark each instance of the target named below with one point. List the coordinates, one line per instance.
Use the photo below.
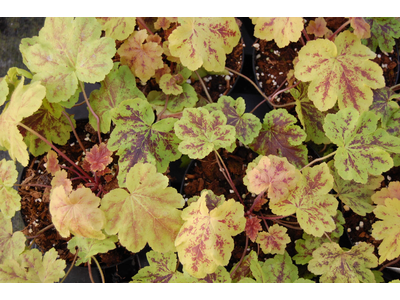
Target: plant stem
(74, 131)
(164, 109)
(100, 270)
(143, 24)
(395, 87)
(204, 87)
(241, 259)
(389, 264)
(83, 173)
(305, 35)
(339, 29)
(91, 110)
(90, 270)
(32, 184)
(319, 159)
(225, 171)
(40, 232)
(249, 80)
(72, 265)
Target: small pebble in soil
(361, 224)
(388, 177)
(346, 207)
(357, 228)
(348, 229)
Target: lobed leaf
(76, 213)
(384, 31)
(204, 42)
(204, 241)
(146, 213)
(243, 270)
(339, 71)
(382, 104)
(340, 266)
(143, 59)
(361, 147)
(252, 227)
(361, 28)
(52, 165)
(99, 157)
(66, 51)
(9, 197)
(274, 241)
(317, 27)
(280, 136)
(280, 269)
(310, 200)
(392, 191)
(118, 28)
(282, 30)
(11, 244)
(24, 101)
(202, 132)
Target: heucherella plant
(282, 221)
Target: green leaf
(205, 239)
(49, 122)
(117, 86)
(11, 244)
(243, 270)
(384, 31)
(146, 213)
(247, 125)
(310, 200)
(202, 132)
(280, 269)
(3, 90)
(382, 104)
(204, 42)
(271, 173)
(280, 136)
(221, 275)
(24, 101)
(356, 195)
(388, 229)
(89, 247)
(340, 266)
(138, 139)
(9, 197)
(66, 51)
(143, 59)
(170, 84)
(361, 147)
(282, 30)
(117, 28)
(187, 98)
(339, 71)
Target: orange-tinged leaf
(361, 28)
(9, 197)
(164, 22)
(52, 165)
(274, 241)
(392, 191)
(282, 30)
(339, 71)
(317, 27)
(24, 101)
(146, 213)
(252, 228)
(388, 229)
(205, 240)
(142, 58)
(61, 179)
(77, 213)
(204, 42)
(272, 173)
(99, 157)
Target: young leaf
(24, 101)
(202, 132)
(384, 31)
(138, 139)
(271, 173)
(52, 165)
(117, 28)
(361, 147)
(66, 51)
(31, 267)
(392, 191)
(252, 228)
(340, 266)
(361, 28)
(164, 22)
(388, 229)
(49, 122)
(99, 157)
(61, 179)
(247, 125)
(76, 213)
(339, 71)
(169, 84)
(11, 244)
(161, 269)
(204, 42)
(147, 213)
(274, 241)
(204, 241)
(90, 247)
(9, 198)
(142, 58)
(282, 30)
(311, 202)
(317, 27)
(279, 136)
(117, 86)
(357, 196)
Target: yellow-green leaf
(9, 197)
(11, 244)
(118, 28)
(274, 241)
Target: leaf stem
(164, 109)
(389, 264)
(91, 110)
(100, 270)
(143, 24)
(225, 171)
(74, 131)
(40, 232)
(55, 148)
(319, 159)
(395, 87)
(204, 87)
(338, 30)
(72, 265)
(90, 270)
(305, 35)
(241, 259)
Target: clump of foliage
(341, 102)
